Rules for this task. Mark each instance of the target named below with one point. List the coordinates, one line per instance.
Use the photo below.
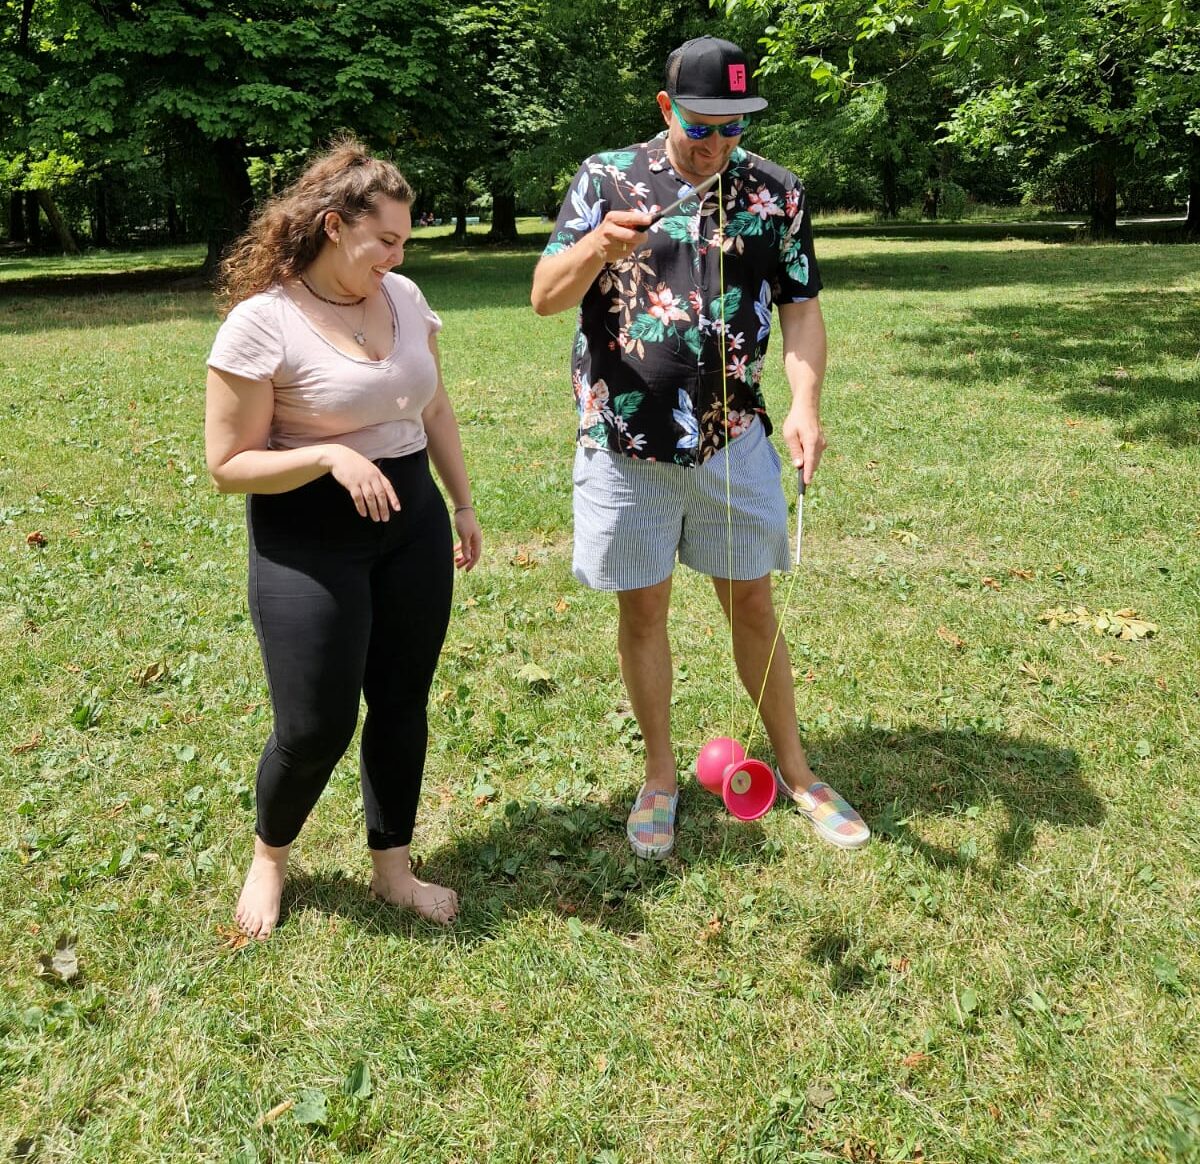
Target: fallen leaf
(601, 1062)
(819, 1094)
(712, 929)
(916, 1059)
(810, 676)
(1161, 683)
(1110, 658)
(28, 746)
(535, 678)
(275, 1112)
(994, 1112)
(62, 963)
(948, 636)
(990, 583)
(1125, 624)
(150, 674)
(1073, 423)
(560, 607)
(872, 464)
(901, 965)
(232, 938)
(1024, 575)
(1031, 673)
(37, 538)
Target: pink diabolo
(746, 786)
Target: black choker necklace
(333, 302)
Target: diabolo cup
(746, 786)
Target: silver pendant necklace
(360, 336)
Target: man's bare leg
(644, 653)
(754, 629)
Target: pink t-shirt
(324, 395)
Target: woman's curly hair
(288, 231)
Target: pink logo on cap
(737, 78)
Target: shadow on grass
(572, 861)
(1152, 230)
(568, 860)
(1059, 352)
(903, 267)
(903, 778)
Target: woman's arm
(237, 423)
(445, 451)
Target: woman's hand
(369, 489)
(470, 538)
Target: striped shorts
(633, 517)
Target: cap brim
(720, 106)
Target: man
(673, 454)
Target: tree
(213, 83)
(1089, 84)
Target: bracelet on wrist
(461, 508)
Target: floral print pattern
(671, 340)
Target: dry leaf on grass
(948, 636)
(62, 963)
(1125, 624)
(28, 746)
(232, 938)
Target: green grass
(1009, 973)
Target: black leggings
(344, 605)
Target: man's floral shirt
(669, 334)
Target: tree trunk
(230, 213)
(100, 213)
(33, 220)
(16, 218)
(66, 239)
(460, 209)
(891, 193)
(504, 216)
(1103, 222)
(1192, 225)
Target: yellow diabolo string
(757, 713)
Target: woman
(326, 405)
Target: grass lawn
(1010, 972)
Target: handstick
(799, 512)
(695, 192)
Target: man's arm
(561, 280)
(803, 329)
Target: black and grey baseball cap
(713, 77)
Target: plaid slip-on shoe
(829, 813)
(651, 824)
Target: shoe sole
(647, 852)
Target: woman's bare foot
(394, 882)
(258, 907)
